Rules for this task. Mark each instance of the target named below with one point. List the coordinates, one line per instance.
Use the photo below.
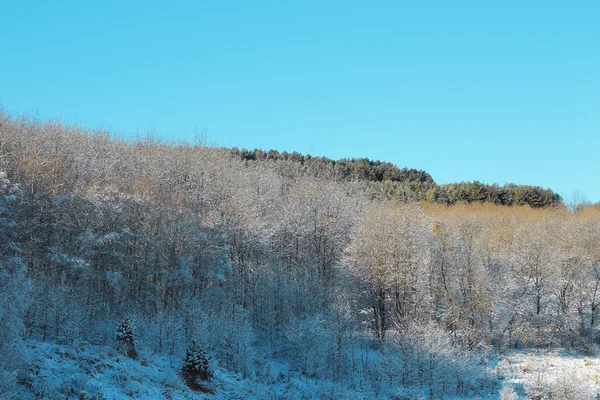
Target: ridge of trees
(387, 181)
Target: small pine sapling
(126, 336)
(196, 367)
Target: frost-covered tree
(387, 258)
(14, 286)
(196, 365)
(126, 336)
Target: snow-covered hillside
(98, 372)
(101, 372)
(116, 257)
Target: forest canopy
(387, 181)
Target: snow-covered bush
(430, 359)
(568, 385)
(508, 393)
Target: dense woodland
(387, 181)
(350, 271)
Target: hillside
(287, 271)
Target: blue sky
(490, 91)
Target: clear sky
(491, 91)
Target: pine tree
(196, 365)
(126, 335)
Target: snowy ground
(96, 372)
(555, 374)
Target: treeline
(261, 261)
(387, 181)
(467, 193)
(346, 169)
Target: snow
(88, 371)
(564, 373)
(100, 372)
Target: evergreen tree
(126, 336)
(196, 365)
